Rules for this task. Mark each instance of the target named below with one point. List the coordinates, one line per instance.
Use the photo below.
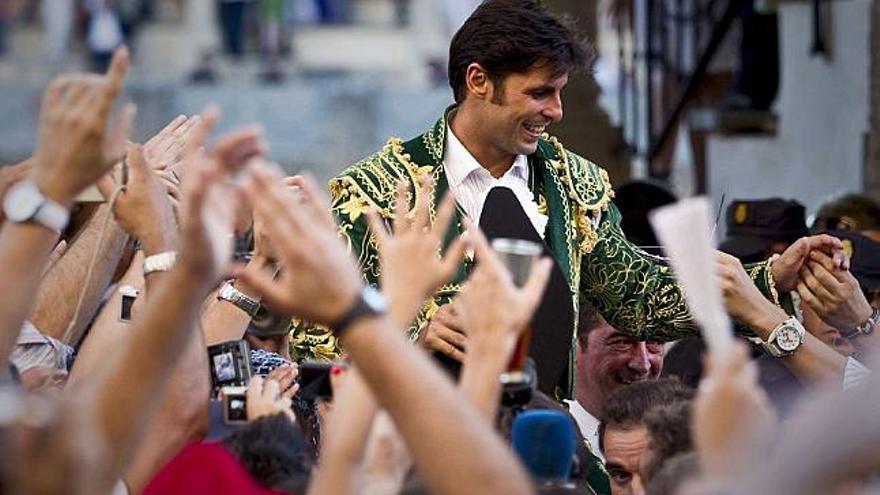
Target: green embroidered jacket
(633, 290)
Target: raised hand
(267, 397)
(728, 440)
(74, 146)
(142, 208)
(166, 150)
(412, 264)
(210, 198)
(786, 269)
(320, 280)
(833, 293)
(742, 299)
(491, 305)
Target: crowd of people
(214, 326)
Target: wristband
(161, 262)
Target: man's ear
(477, 81)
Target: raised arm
(322, 283)
(344, 439)
(494, 314)
(58, 297)
(813, 361)
(637, 293)
(126, 394)
(73, 151)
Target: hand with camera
(833, 293)
(347, 427)
(76, 143)
(270, 396)
(410, 254)
(320, 280)
(142, 207)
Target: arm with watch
(57, 298)
(783, 336)
(321, 283)
(835, 295)
(73, 151)
(142, 211)
(227, 316)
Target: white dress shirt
(588, 425)
(470, 182)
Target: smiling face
(520, 108)
(502, 118)
(611, 360)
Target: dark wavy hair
(275, 452)
(511, 36)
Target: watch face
(22, 201)
(375, 300)
(788, 339)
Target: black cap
(864, 255)
(848, 212)
(754, 225)
(635, 200)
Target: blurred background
(740, 98)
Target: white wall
(823, 109)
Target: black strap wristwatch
(369, 303)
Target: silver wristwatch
(866, 328)
(242, 301)
(25, 203)
(785, 338)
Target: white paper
(685, 231)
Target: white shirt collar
(460, 163)
(588, 425)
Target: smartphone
(129, 296)
(234, 404)
(314, 379)
(230, 364)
